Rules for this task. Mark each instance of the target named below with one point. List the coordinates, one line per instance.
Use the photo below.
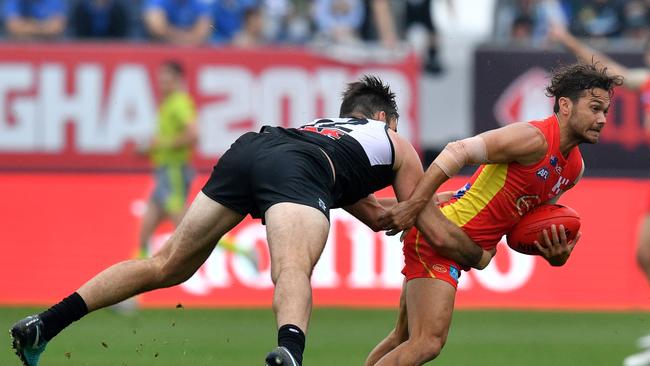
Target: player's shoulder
(531, 133)
(403, 149)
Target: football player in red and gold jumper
(523, 166)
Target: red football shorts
(421, 261)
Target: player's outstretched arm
(447, 238)
(368, 210)
(520, 142)
(633, 78)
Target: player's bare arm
(368, 211)
(634, 78)
(519, 142)
(447, 238)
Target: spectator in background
(517, 19)
(34, 19)
(379, 23)
(99, 19)
(522, 29)
(598, 18)
(419, 23)
(252, 33)
(186, 22)
(228, 16)
(288, 21)
(338, 20)
(637, 19)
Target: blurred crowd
(251, 23)
(193, 22)
(530, 20)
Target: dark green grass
(338, 337)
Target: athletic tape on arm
(457, 154)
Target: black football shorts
(262, 169)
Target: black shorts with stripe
(262, 169)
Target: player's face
(166, 80)
(588, 115)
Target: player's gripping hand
(556, 249)
(401, 217)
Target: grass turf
(337, 337)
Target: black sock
(293, 338)
(59, 316)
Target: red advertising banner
(59, 230)
(84, 106)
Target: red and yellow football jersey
(493, 201)
(498, 195)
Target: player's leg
(296, 234)
(189, 246)
(153, 216)
(179, 178)
(396, 336)
(430, 304)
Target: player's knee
(168, 271)
(429, 347)
(291, 271)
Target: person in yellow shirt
(170, 152)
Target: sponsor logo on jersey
(461, 192)
(553, 160)
(439, 268)
(454, 273)
(561, 181)
(542, 173)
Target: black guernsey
(360, 150)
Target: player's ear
(566, 106)
(380, 116)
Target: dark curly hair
(367, 97)
(573, 80)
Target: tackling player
(290, 178)
(523, 166)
